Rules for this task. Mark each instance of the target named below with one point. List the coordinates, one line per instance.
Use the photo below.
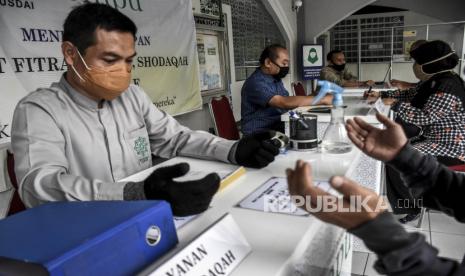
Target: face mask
(421, 75)
(283, 71)
(339, 67)
(106, 83)
(418, 71)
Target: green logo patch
(142, 149)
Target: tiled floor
(442, 231)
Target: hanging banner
(166, 66)
(312, 61)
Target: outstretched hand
(381, 144)
(303, 190)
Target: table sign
(217, 251)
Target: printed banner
(166, 66)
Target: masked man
(264, 97)
(337, 72)
(76, 139)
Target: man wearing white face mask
(434, 119)
(75, 140)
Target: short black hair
(270, 52)
(329, 56)
(82, 22)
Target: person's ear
(267, 63)
(69, 53)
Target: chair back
(17, 204)
(458, 168)
(223, 118)
(299, 89)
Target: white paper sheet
(273, 196)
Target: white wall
(321, 15)
(377, 71)
(236, 98)
(197, 120)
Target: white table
(358, 91)
(356, 106)
(281, 244)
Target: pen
(367, 94)
(301, 120)
(293, 114)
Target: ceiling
(444, 10)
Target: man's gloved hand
(186, 198)
(257, 150)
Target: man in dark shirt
(264, 97)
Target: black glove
(257, 150)
(186, 198)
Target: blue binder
(87, 238)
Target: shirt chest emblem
(141, 147)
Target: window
(376, 38)
(253, 30)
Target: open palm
(381, 144)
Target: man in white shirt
(75, 140)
